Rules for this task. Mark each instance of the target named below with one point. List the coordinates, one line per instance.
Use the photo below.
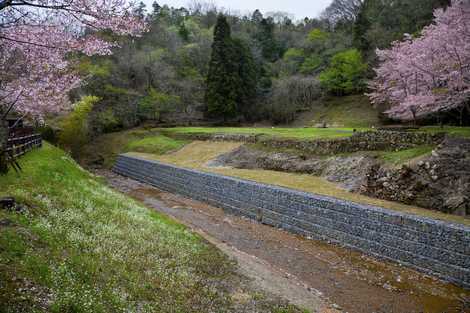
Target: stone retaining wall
(435, 247)
(359, 141)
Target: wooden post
(3, 146)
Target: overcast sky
(300, 8)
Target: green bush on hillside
(345, 73)
(155, 103)
(311, 64)
(106, 122)
(75, 127)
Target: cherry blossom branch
(35, 5)
(12, 105)
(28, 42)
(35, 45)
(4, 4)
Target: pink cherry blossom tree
(428, 74)
(37, 41)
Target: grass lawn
(298, 133)
(404, 156)
(197, 154)
(110, 145)
(79, 247)
(451, 130)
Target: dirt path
(272, 280)
(306, 272)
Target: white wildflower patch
(109, 253)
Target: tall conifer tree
(221, 92)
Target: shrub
(49, 134)
(345, 73)
(155, 103)
(311, 64)
(106, 122)
(317, 35)
(294, 54)
(75, 127)
(291, 95)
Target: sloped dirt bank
(349, 171)
(352, 281)
(440, 181)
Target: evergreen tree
(379, 22)
(156, 8)
(269, 45)
(140, 10)
(183, 31)
(232, 79)
(257, 16)
(247, 78)
(221, 91)
(360, 28)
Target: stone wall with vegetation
(439, 181)
(359, 141)
(428, 245)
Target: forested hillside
(203, 64)
(344, 127)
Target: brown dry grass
(197, 154)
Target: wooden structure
(14, 121)
(20, 140)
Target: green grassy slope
(110, 145)
(80, 247)
(454, 131)
(404, 156)
(349, 111)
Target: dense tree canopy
(378, 23)
(345, 73)
(184, 68)
(36, 38)
(38, 41)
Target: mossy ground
(77, 246)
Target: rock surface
(349, 171)
(440, 181)
(359, 141)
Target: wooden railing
(21, 141)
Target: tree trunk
(462, 109)
(3, 145)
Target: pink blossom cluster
(428, 74)
(37, 38)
